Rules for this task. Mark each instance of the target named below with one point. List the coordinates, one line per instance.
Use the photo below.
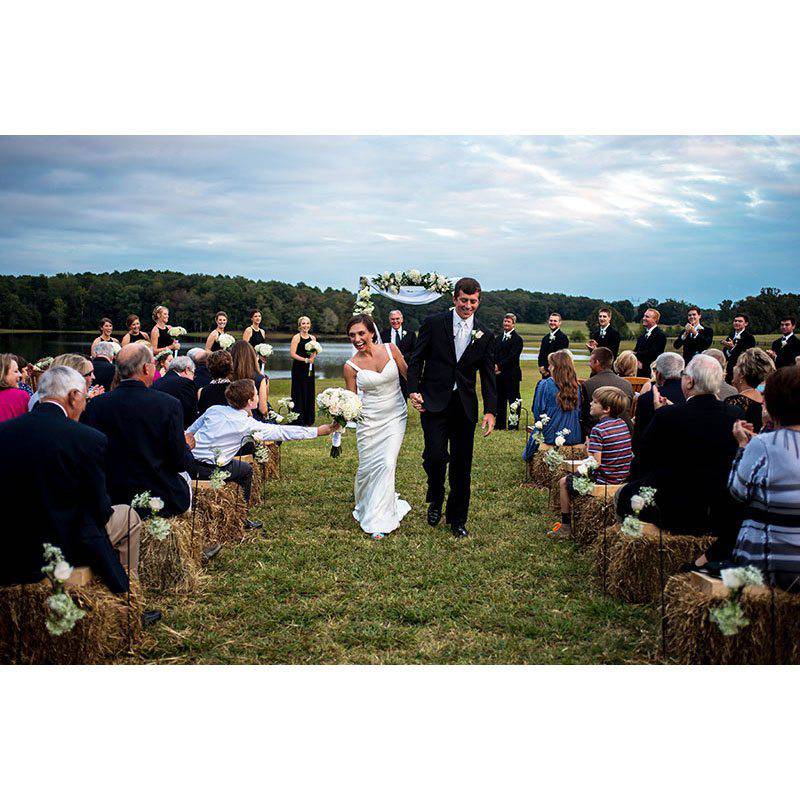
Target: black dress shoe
(211, 551)
(150, 617)
(459, 531)
(253, 524)
(434, 514)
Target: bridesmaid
(256, 335)
(303, 393)
(212, 342)
(134, 333)
(159, 336)
(106, 327)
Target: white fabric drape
(410, 295)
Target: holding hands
(417, 401)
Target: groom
(451, 347)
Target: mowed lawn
(312, 588)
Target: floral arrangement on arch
(392, 282)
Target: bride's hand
(417, 401)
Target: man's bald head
(135, 361)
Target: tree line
(78, 301)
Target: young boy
(609, 444)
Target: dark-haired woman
(303, 378)
(245, 365)
(212, 342)
(106, 328)
(220, 366)
(135, 333)
(255, 334)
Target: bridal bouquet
(62, 613)
(226, 340)
(176, 331)
(264, 350)
(343, 406)
(312, 347)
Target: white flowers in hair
(264, 350)
(176, 331)
(225, 340)
(62, 611)
(43, 363)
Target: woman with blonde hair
(79, 363)
(626, 364)
(303, 374)
(160, 338)
(752, 368)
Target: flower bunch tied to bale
(312, 347)
(343, 406)
(62, 613)
(218, 476)
(582, 481)
(729, 617)
(513, 411)
(632, 525)
(157, 527)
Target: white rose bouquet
(343, 406)
(264, 350)
(225, 340)
(312, 347)
(157, 527)
(62, 613)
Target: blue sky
(699, 218)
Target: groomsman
(651, 342)
(555, 340)
(740, 340)
(508, 374)
(786, 349)
(605, 335)
(695, 338)
(403, 339)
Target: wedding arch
(412, 287)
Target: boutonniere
(552, 336)
(784, 342)
(476, 335)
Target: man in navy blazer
(179, 383)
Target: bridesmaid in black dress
(256, 335)
(212, 342)
(134, 333)
(160, 338)
(303, 379)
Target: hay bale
(259, 476)
(592, 514)
(109, 628)
(219, 513)
(692, 638)
(538, 474)
(630, 566)
(174, 563)
(272, 468)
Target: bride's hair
(367, 321)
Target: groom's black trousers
(451, 429)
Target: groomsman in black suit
(651, 342)
(605, 335)
(786, 349)
(507, 372)
(740, 340)
(404, 339)
(555, 340)
(695, 338)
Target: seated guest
(726, 390)
(25, 376)
(13, 400)
(58, 485)
(179, 383)
(103, 366)
(695, 338)
(786, 349)
(764, 478)
(667, 368)
(552, 342)
(559, 397)
(77, 362)
(163, 360)
(600, 366)
(651, 343)
(220, 432)
(604, 335)
(135, 333)
(609, 444)
(685, 454)
(220, 367)
(146, 447)
(625, 364)
(751, 370)
(245, 365)
(736, 343)
(202, 377)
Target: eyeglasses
(87, 374)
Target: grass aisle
(313, 589)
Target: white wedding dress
(379, 508)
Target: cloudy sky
(699, 218)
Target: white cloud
(447, 233)
(393, 237)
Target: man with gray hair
(102, 365)
(58, 485)
(179, 383)
(202, 377)
(668, 368)
(726, 390)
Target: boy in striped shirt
(609, 444)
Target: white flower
(637, 503)
(116, 347)
(176, 331)
(560, 440)
(156, 504)
(394, 290)
(565, 431)
(738, 577)
(583, 469)
(386, 276)
(225, 340)
(476, 335)
(62, 571)
(544, 418)
(264, 350)
(414, 275)
(539, 425)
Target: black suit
(692, 345)
(671, 389)
(183, 390)
(405, 346)
(786, 355)
(548, 345)
(745, 341)
(611, 339)
(104, 372)
(146, 448)
(450, 414)
(53, 481)
(506, 357)
(202, 377)
(649, 348)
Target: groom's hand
(417, 401)
(488, 424)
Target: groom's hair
(466, 285)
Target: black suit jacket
(560, 342)
(671, 389)
(183, 390)
(146, 448)
(433, 368)
(53, 480)
(745, 341)
(406, 347)
(104, 372)
(649, 348)
(506, 356)
(611, 340)
(786, 355)
(692, 345)
(202, 377)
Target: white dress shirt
(462, 333)
(397, 335)
(224, 429)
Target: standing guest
(740, 340)
(220, 367)
(601, 375)
(106, 328)
(303, 377)
(726, 390)
(58, 485)
(508, 375)
(102, 365)
(202, 377)
(13, 400)
(605, 335)
(147, 451)
(160, 338)
(404, 339)
(626, 364)
(651, 342)
(751, 370)
(212, 342)
(245, 365)
(695, 338)
(163, 360)
(786, 349)
(552, 342)
(668, 368)
(764, 478)
(255, 334)
(25, 376)
(135, 333)
(179, 383)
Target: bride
(374, 372)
